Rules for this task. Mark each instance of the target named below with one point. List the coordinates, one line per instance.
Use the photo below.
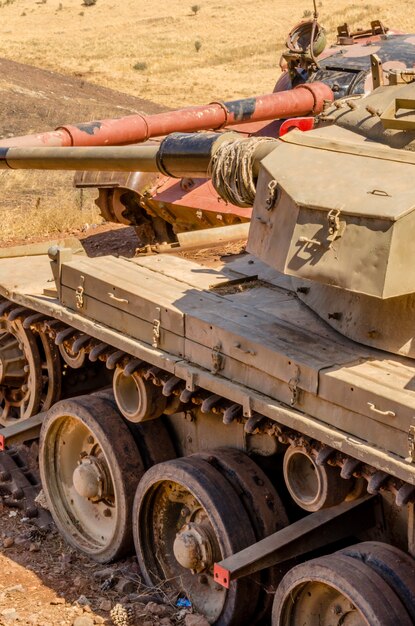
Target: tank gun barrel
(121, 159)
(231, 161)
(178, 155)
(305, 99)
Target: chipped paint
(89, 127)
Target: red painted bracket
(222, 576)
(302, 123)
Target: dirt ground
(43, 582)
(41, 578)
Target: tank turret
(347, 239)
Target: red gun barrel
(305, 99)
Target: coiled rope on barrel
(231, 170)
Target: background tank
(345, 66)
(167, 207)
(121, 204)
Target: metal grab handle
(313, 242)
(373, 408)
(114, 297)
(238, 346)
(379, 192)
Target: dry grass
(148, 49)
(240, 41)
(42, 206)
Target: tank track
(95, 350)
(20, 485)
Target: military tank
(258, 435)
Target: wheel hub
(89, 479)
(193, 547)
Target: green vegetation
(140, 66)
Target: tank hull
(241, 364)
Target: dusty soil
(41, 578)
(44, 582)
(34, 99)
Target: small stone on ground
(195, 620)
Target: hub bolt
(193, 548)
(87, 478)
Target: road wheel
(395, 567)
(20, 372)
(336, 590)
(187, 516)
(90, 467)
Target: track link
(20, 485)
